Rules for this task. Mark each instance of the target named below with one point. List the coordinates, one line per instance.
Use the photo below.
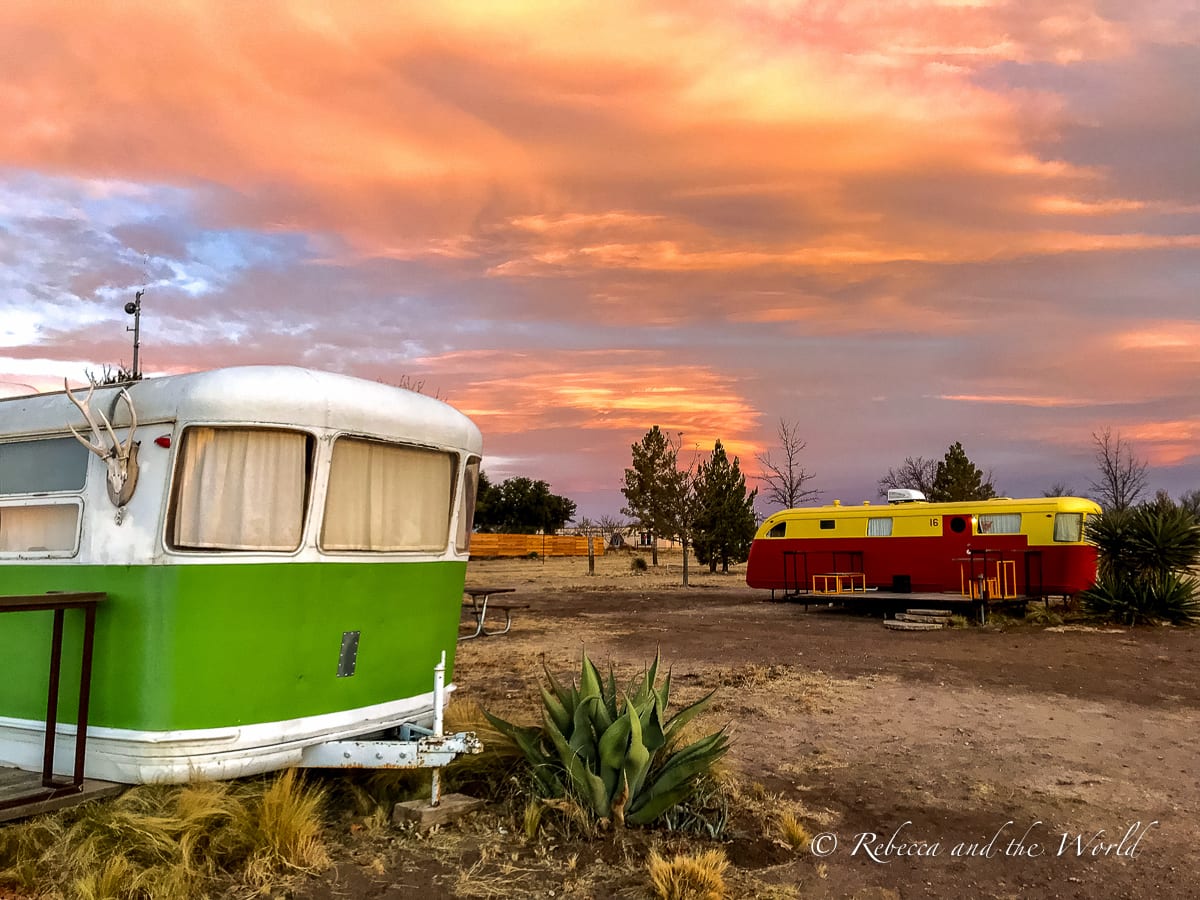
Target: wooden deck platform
(915, 598)
(890, 603)
(15, 783)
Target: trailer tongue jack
(417, 748)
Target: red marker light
(163, 440)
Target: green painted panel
(206, 646)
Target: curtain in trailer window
(879, 527)
(1068, 527)
(386, 497)
(998, 523)
(240, 489)
(38, 529)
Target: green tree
(652, 487)
(485, 501)
(523, 506)
(724, 521)
(957, 478)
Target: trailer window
(1068, 527)
(466, 516)
(387, 497)
(998, 523)
(42, 466)
(240, 489)
(879, 527)
(45, 528)
(778, 530)
(828, 524)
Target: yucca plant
(1146, 558)
(616, 751)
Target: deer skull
(120, 459)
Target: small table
(479, 605)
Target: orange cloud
(1166, 443)
(1179, 338)
(1070, 206)
(450, 130)
(613, 391)
(1021, 400)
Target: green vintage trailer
(283, 553)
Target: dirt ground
(1002, 761)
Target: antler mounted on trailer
(121, 459)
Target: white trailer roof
(267, 395)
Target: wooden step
(899, 625)
(25, 789)
(920, 617)
(941, 613)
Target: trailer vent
(904, 495)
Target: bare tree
(1059, 489)
(784, 478)
(918, 473)
(1121, 478)
(611, 524)
(416, 385)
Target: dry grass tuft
(690, 876)
(157, 841)
(752, 675)
(287, 834)
(794, 832)
(531, 820)
(1040, 615)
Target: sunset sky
(900, 224)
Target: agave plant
(616, 751)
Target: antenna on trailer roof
(134, 308)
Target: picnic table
(478, 609)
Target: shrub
(1146, 557)
(617, 753)
(638, 564)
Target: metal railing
(59, 603)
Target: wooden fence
(524, 544)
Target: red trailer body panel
(930, 547)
